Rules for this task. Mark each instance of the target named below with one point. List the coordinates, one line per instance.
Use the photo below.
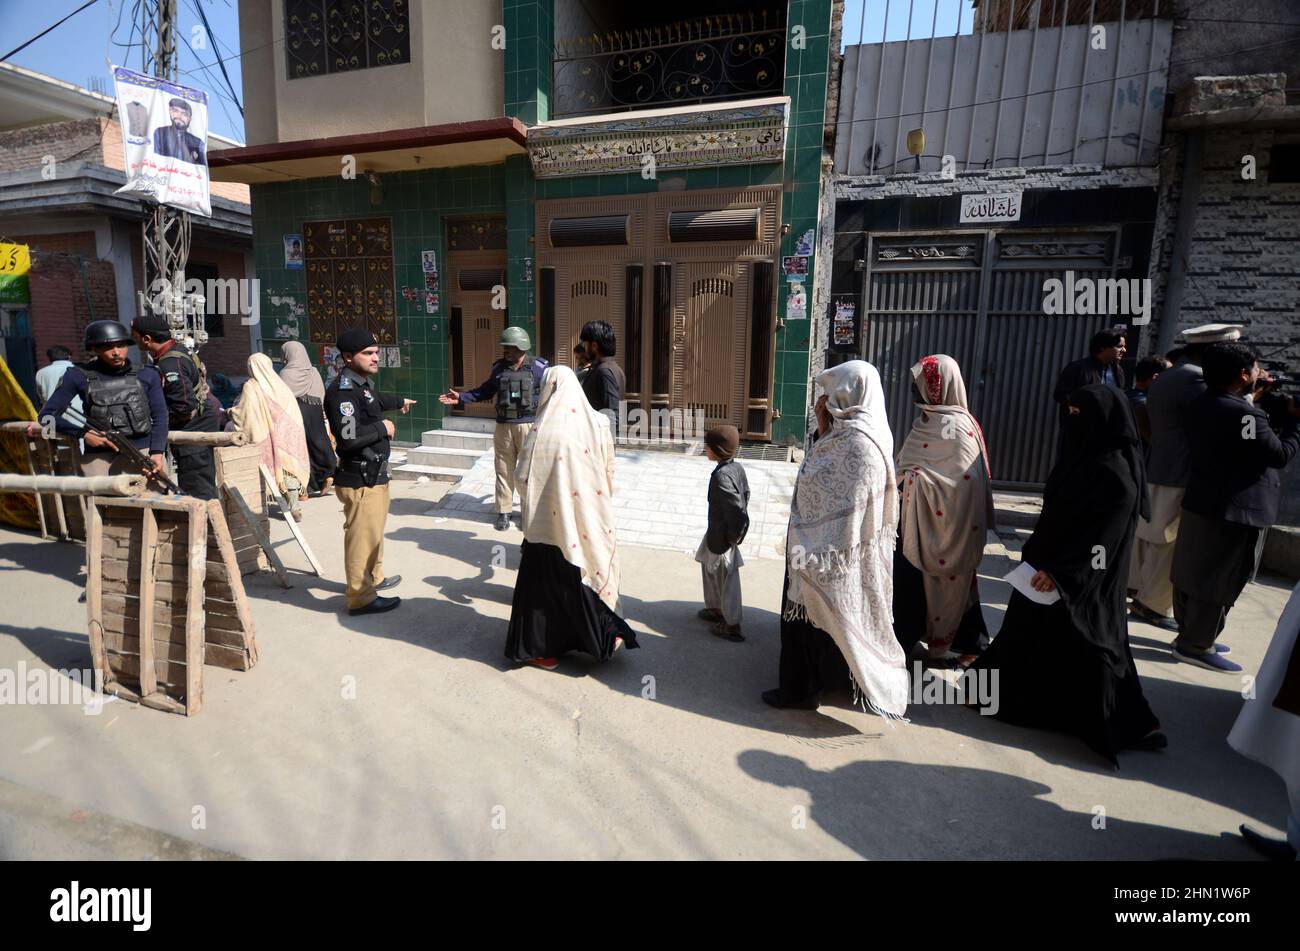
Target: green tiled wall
(530, 36)
(418, 204)
(805, 84)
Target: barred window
(335, 36)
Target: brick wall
(96, 140)
(228, 353)
(67, 242)
(68, 291)
(1243, 265)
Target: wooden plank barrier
(164, 597)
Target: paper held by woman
(1019, 579)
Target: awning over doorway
(481, 142)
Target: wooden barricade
(60, 517)
(237, 468)
(164, 596)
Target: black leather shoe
(377, 606)
(390, 582)
(1277, 850)
(503, 521)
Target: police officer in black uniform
(361, 434)
(516, 382)
(116, 397)
(185, 386)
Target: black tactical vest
(117, 403)
(517, 392)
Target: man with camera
(361, 434)
(1241, 435)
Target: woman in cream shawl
(943, 474)
(835, 615)
(566, 594)
(268, 413)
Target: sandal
(728, 632)
(711, 615)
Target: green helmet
(515, 337)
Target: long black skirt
(320, 452)
(553, 612)
(909, 611)
(810, 661)
(1049, 677)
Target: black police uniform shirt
(74, 384)
(180, 381)
(356, 417)
(488, 389)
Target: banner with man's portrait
(165, 136)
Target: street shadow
(58, 650)
(872, 806)
(56, 559)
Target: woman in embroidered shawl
(308, 389)
(836, 628)
(943, 477)
(566, 594)
(268, 413)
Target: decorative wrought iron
(334, 36)
(703, 60)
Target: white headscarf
(840, 543)
(566, 482)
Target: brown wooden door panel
(481, 324)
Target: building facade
(452, 168)
(61, 161)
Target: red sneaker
(546, 663)
(618, 644)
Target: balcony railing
(710, 59)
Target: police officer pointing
(361, 434)
(516, 382)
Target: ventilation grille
(735, 224)
(711, 285)
(588, 232)
(480, 279)
(589, 289)
(765, 452)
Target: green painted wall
(418, 204)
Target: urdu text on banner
(164, 137)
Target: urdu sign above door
(978, 209)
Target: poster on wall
(164, 140)
(332, 361)
(804, 246)
(842, 323)
(796, 304)
(293, 252)
(429, 262)
(796, 268)
(15, 262)
(430, 302)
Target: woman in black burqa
(1067, 665)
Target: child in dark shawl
(1067, 665)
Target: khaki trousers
(507, 441)
(365, 510)
(1153, 550)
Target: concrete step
(457, 439)
(409, 473)
(469, 424)
(441, 456)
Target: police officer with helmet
(516, 383)
(116, 397)
(355, 411)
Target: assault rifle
(127, 448)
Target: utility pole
(167, 230)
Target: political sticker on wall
(293, 252)
(15, 262)
(164, 135)
(796, 304)
(803, 247)
(796, 268)
(842, 325)
(429, 262)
